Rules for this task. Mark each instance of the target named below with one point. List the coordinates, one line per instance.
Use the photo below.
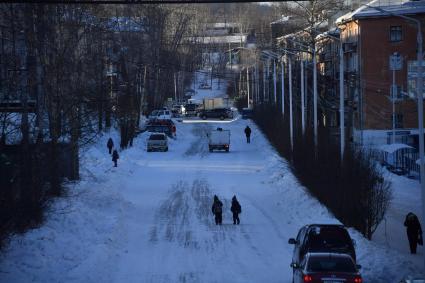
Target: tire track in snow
(180, 219)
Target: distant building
(369, 38)
(216, 37)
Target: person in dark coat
(110, 145)
(248, 134)
(236, 209)
(414, 231)
(217, 210)
(115, 157)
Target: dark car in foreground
(326, 268)
(329, 238)
(221, 113)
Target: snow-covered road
(149, 220)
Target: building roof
(241, 38)
(391, 148)
(223, 25)
(406, 8)
(282, 20)
(332, 33)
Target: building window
(395, 33)
(412, 75)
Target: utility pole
(274, 81)
(247, 86)
(393, 94)
(315, 97)
(291, 128)
(175, 88)
(395, 64)
(268, 80)
(283, 87)
(302, 98)
(341, 98)
(264, 83)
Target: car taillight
(308, 278)
(358, 280)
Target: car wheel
(221, 117)
(166, 149)
(149, 150)
(204, 117)
(227, 150)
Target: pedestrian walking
(110, 145)
(414, 231)
(115, 157)
(217, 210)
(236, 209)
(248, 134)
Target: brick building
(369, 38)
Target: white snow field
(150, 220)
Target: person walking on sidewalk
(115, 157)
(110, 145)
(248, 134)
(414, 231)
(217, 210)
(236, 209)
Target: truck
(217, 102)
(219, 139)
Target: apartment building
(370, 38)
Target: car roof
(333, 255)
(156, 134)
(324, 226)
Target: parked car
(178, 110)
(413, 280)
(165, 126)
(160, 114)
(322, 238)
(247, 113)
(326, 267)
(204, 85)
(157, 142)
(221, 113)
(219, 139)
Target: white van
(160, 114)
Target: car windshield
(157, 137)
(330, 264)
(154, 113)
(328, 237)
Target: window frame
(397, 31)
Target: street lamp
(314, 89)
(291, 123)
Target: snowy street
(150, 220)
